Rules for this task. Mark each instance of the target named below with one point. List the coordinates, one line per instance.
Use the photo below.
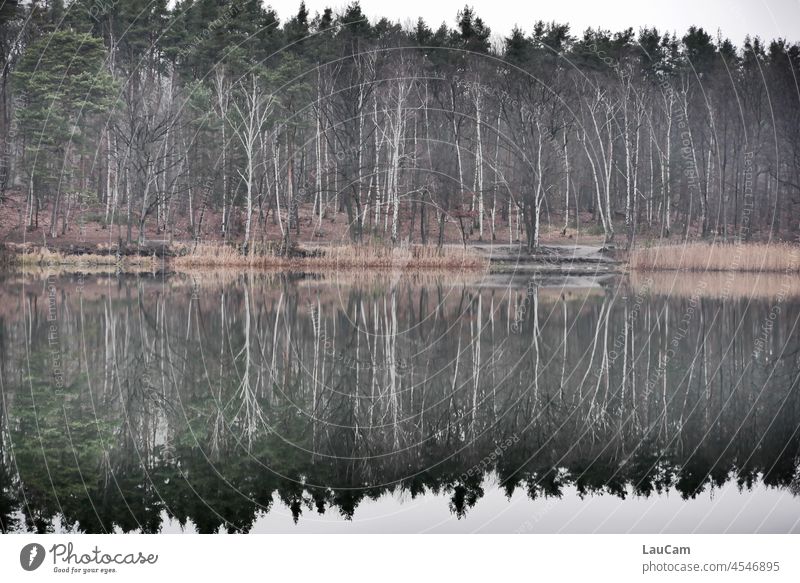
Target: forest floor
(327, 244)
(87, 227)
(88, 239)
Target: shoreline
(550, 259)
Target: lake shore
(564, 259)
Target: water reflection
(144, 402)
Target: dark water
(358, 403)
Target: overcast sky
(735, 18)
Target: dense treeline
(216, 108)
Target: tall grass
(336, 257)
(42, 257)
(751, 257)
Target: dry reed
(750, 257)
(337, 257)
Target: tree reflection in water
(208, 403)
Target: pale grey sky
(736, 18)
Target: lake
(357, 402)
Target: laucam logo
(31, 556)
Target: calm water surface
(385, 403)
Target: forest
(213, 120)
